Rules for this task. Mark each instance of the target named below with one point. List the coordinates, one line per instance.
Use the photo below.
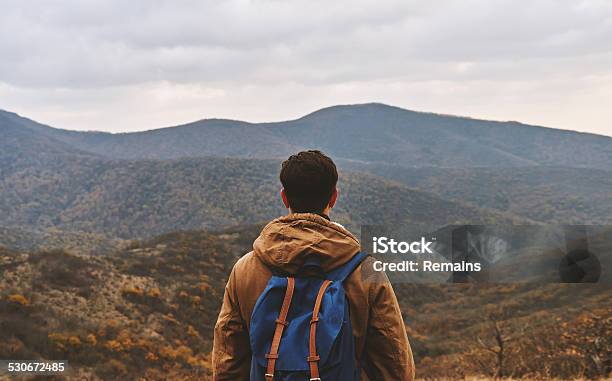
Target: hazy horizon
(119, 67)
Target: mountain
(143, 198)
(98, 185)
(556, 195)
(367, 132)
(22, 146)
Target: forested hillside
(143, 198)
(74, 181)
(149, 311)
(560, 195)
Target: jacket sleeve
(231, 355)
(387, 353)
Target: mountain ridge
(313, 113)
(366, 132)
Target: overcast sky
(136, 65)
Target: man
(309, 192)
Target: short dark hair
(309, 179)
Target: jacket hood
(286, 242)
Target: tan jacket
(382, 345)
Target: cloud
(78, 62)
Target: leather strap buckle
(282, 322)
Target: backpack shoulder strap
(341, 273)
(313, 358)
(281, 323)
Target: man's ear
(334, 197)
(284, 198)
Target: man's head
(309, 182)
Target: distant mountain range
(397, 166)
(368, 132)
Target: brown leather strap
(281, 323)
(313, 359)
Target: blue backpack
(300, 327)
